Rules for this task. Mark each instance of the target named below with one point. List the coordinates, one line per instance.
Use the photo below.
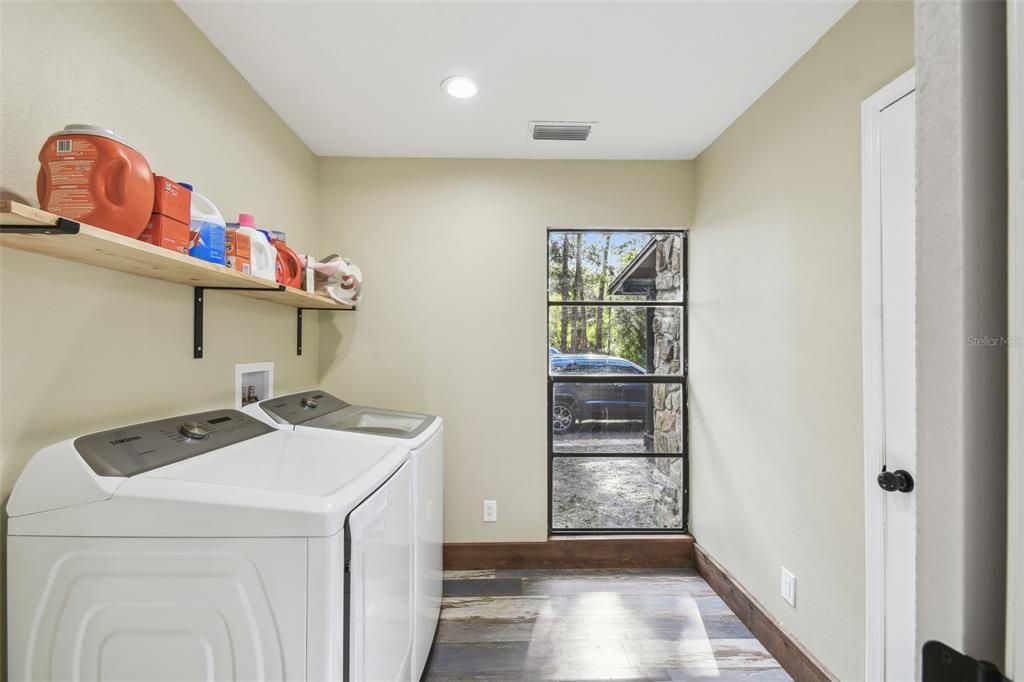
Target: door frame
(1015, 330)
(874, 417)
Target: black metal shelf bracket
(298, 325)
(199, 307)
(63, 226)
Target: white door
(890, 380)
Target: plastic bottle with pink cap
(264, 255)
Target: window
(617, 433)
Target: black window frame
(651, 379)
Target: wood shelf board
(102, 248)
(297, 298)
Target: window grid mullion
(651, 379)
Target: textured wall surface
(961, 321)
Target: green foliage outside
(581, 267)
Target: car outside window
(623, 368)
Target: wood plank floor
(663, 625)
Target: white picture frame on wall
(254, 381)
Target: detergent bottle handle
(116, 186)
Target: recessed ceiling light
(460, 87)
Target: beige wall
(775, 336)
(454, 321)
(82, 348)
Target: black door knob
(887, 480)
(904, 481)
(895, 481)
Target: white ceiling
(661, 79)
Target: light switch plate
(789, 587)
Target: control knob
(308, 403)
(193, 430)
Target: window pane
(617, 417)
(620, 266)
(618, 492)
(620, 340)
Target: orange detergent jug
(290, 268)
(90, 175)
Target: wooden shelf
(26, 228)
(105, 249)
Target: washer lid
(287, 463)
(281, 484)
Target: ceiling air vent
(549, 130)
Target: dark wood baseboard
(606, 551)
(791, 655)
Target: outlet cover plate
(789, 587)
(490, 511)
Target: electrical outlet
(789, 587)
(490, 511)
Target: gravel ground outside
(606, 492)
(594, 436)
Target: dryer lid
(299, 408)
(374, 421)
(321, 410)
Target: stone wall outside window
(668, 398)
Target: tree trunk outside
(563, 285)
(599, 333)
(579, 323)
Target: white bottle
(207, 228)
(264, 255)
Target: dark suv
(575, 402)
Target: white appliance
(320, 412)
(211, 547)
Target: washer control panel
(194, 430)
(299, 408)
(135, 449)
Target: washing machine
(211, 547)
(320, 412)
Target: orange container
(167, 233)
(290, 269)
(172, 200)
(238, 251)
(90, 175)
